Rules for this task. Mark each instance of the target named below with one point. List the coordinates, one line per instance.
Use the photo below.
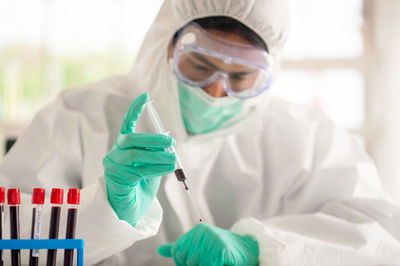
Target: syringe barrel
(155, 118)
(160, 129)
(178, 162)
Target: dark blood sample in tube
(73, 201)
(180, 175)
(57, 196)
(13, 198)
(2, 201)
(38, 195)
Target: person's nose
(216, 89)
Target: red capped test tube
(13, 198)
(73, 202)
(38, 196)
(2, 201)
(57, 196)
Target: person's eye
(237, 77)
(200, 67)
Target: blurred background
(342, 57)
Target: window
(46, 46)
(322, 63)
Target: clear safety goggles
(201, 58)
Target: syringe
(179, 173)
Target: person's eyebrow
(204, 60)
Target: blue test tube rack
(78, 244)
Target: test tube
(38, 196)
(2, 200)
(179, 172)
(57, 196)
(73, 201)
(13, 199)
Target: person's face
(216, 88)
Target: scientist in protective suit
(276, 183)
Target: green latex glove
(207, 245)
(134, 166)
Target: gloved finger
(128, 124)
(139, 157)
(152, 185)
(156, 170)
(230, 259)
(193, 259)
(179, 253)
(166, 250)
(145, 140)
(140, 172)
(147, 188)
(177, 262)
(129, 175)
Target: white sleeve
(51, 153)
(343, 233)
(338, 213)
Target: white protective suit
(312, 193)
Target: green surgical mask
(202, 113)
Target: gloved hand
(207, 245)
(134, 166)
